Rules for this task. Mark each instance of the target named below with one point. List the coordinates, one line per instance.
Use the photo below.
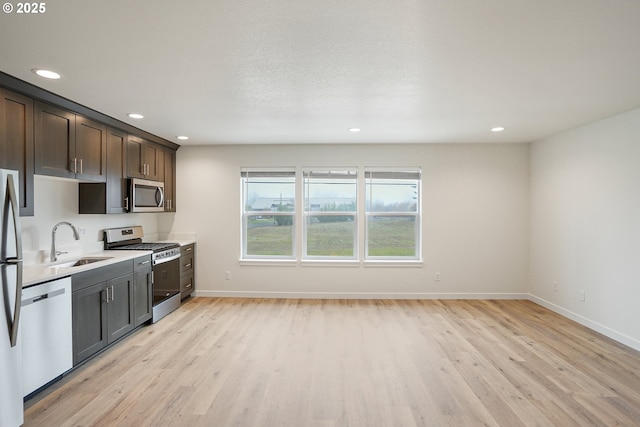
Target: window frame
(308, 213)
(301, 213)
(411, 173)
(247, 173)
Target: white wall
(585, 225)
(57, 200)
(475, 221)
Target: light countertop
(38, 273)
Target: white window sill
(330, 263)
(415, 263)
(271, 262)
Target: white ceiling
(305, 71)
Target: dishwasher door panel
(46, 333)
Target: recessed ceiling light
(135, 116)
(182, 137)
(497, 129)
(47, 74)
(355, 130)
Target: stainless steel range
(166, 265)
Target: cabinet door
(89, 321)
(142, 296)
(154, 159)
(116, 170)
(135, 157)
(16, 143)
(55, 136)
(169, 181)
(119, 307)
(90, 150)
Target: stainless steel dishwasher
(47, 338)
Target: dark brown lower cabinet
(187, 262)
(143, 290)
(102, 307)
(89, 321)
(120, 319)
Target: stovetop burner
(147, 246)
(130, 238)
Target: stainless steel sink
(85, 261)
(79, 262)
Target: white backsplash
(57, 200)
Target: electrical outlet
(437, 277)
(555, 286)
(581, 295)
(82, 231)
(227, 275)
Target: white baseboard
(604, 330)
(357, 295)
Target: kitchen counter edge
(39, 273)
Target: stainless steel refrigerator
(11, 405)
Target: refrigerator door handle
(12, 199)
(16, 312)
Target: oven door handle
(163, 260)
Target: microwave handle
(160, 200)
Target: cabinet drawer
(186, 264)
(186, 285)
(142, 263)
(100, 274)
(187, 250)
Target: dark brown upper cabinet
(144, 159)
(16, 143)
(169, 180)
(108, 197)
(69, 145)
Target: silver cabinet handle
(80, 166)
(107, 300)
(187, 265)
(145, 262)
(189, 285)
(75, 165)
(113, 294)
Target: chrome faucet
(54, 252)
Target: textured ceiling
(305, 71)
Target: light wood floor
(328, 363)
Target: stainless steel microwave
(145, 196)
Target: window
(268, 214)
(392, 214)
(330, 212)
